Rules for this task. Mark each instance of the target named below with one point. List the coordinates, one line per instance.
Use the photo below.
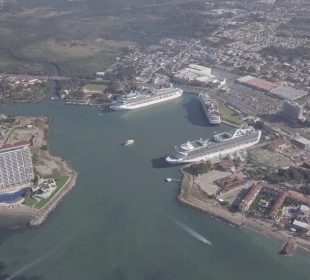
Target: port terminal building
(15, 164)
(277, 90)
(195, 74)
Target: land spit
(51, 166)
(45, 211)
(191, 196)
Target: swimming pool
(12, 197)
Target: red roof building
(227, 165)
(250, 197)
(15, 145)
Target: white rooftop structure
(245, 78)
(195, 72)
(301, 224)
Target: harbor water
(118, 222)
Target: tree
(200, 168)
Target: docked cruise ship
(220, 145)
(210, 109)
(137, 100)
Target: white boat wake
(18, 272)
(191, 231)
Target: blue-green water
(115, 223)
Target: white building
(195, 74)
(15, 164)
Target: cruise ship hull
(125, 107)
(213, 121)
(209, 155)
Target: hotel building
(15, 164)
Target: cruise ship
(220, 145)
(211, 111)
(137, 100)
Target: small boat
(129, 142)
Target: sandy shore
(18, 211)
(189, 196)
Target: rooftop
(301, 224)
(261, 84)
(302, 140)
(15, 145)
(196, 72)
(289, 93)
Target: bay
(116, 223)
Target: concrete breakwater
(65, 169)
(186, 203)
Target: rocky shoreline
(64, 168)
(44, 212)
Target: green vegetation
(8, 122)
(229, 115)
(289, 201)
(96, 87)
(22, 93)
(258, 206)
(35, 158)
(291, 174)
(29, 200)
(305, 189)
(283, 175)
(287, 54)
(60, 182)
(83, 39)
(199, 168)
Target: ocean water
(117, 223)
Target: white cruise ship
(220, 145)
(211, 111)
(137, 100)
